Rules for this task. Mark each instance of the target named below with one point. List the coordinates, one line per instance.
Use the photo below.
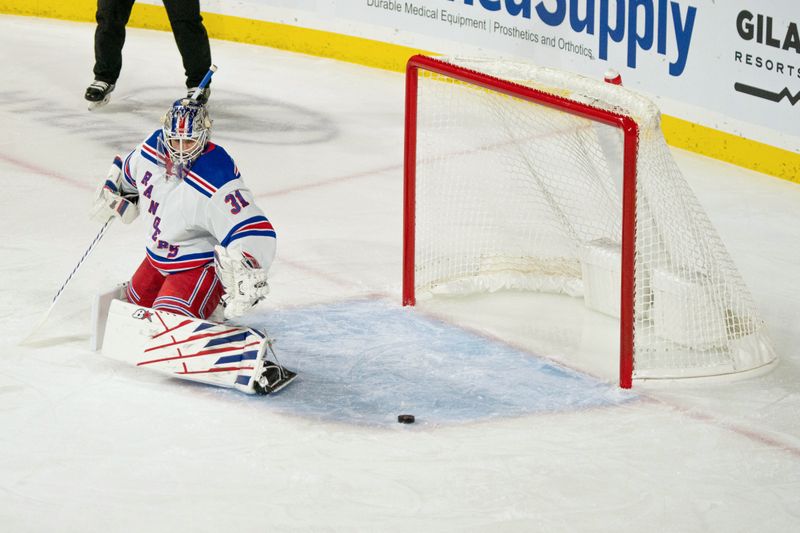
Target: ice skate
(202, 98)
(268, 376)
(273, 378)
(98, 94)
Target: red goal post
(479, 81)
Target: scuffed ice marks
(118, 128)
(258, 120)
(132, 114)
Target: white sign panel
(730, 64)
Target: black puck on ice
(405, 419)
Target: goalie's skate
(270, 377)
(98, 94)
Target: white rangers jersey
(185, 218)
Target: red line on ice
(41, 171)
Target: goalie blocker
(196, 350)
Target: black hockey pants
(187, 28)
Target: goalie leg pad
(196, 350)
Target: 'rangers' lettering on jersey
(185, 218)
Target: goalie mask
(186, 129)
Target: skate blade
(96, 105)
(287, 376)
(290, 376)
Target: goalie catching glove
(111, 201)
(244, 280)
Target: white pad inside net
(511, 194)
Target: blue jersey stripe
(149, 157)
(126, 171)
(187, 257)
(197, 187)
(254, 233)
(252, 220)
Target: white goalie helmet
(186, 130)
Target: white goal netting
(512, 194)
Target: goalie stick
(69, 278)
(203, 83)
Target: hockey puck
(405, 419)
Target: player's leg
(144, 285)
(191, 38)
(195, 293)
(109, 37)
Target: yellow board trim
(680, 133)
(731, 148)
(78, 10)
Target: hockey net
(520, 177)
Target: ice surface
(520, 427)
(365, 362)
